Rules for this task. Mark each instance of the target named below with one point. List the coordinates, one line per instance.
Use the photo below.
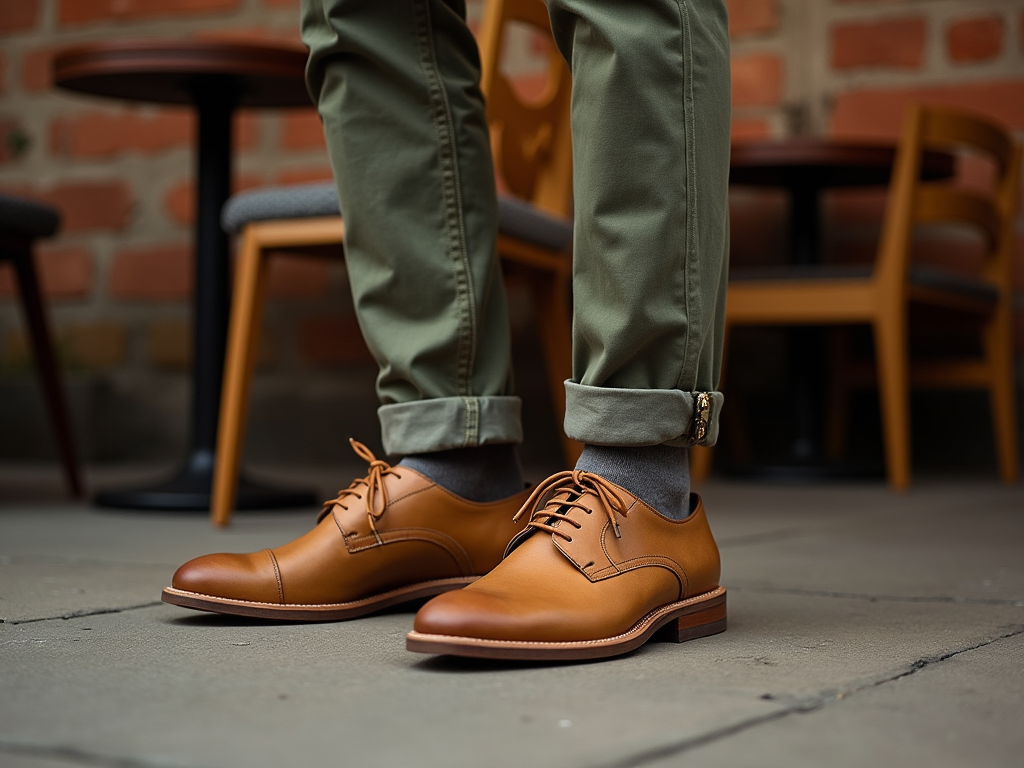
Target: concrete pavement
(865, 628)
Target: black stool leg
(46, 362)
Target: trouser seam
(455, 229)
(472, 435)
(691, 293)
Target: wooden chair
(532, 153)
(22, 222)
(882, 294)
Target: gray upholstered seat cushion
(515, 217)
(27, 217)
(920, 275)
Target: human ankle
(658, 475)
(481, 473)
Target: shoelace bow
(376, 492)
(566, 491)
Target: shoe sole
(689, 619)
(314, 612)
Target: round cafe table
(805, 167)
(214, 78)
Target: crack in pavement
(800, 706)
(942, 599)
(75, 755)
(82, 613)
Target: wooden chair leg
(552, 294)
(49, 373)
(240, 359)
(998, 341)
(893, 391)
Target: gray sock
(484, 473)
(658, 475)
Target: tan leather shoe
(596, 573)
(390, 537)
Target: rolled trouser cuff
(442, 423)
(636, 417)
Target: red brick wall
(850, 68)
(119, 272)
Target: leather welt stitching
(362, 602)
(277, 574)
(443, 540)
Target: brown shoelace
(566, 491)
(376, 492)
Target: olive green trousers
(397, 87)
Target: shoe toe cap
(238, 577)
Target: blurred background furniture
(806, 167)
(880, 295)
(215, 78)
(532, 153)
(22, 222)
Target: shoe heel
(707, 620)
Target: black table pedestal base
(191, 491)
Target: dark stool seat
(22, 222)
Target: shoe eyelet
(590, 511)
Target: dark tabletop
(171, 71)
(824, 162)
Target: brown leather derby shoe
(596, 573)
(390, 537)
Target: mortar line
(802, 706)
(943, 599)
(82, 613)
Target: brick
(91, 205)
(302, 130)
(305, 175)
(749, 129)
(65, 272)
(83, 11)
(11, 133)
(3, 72)
(180, 200)
(153, 272)
(37, 70)
(878, 113)
(294, 277)
(18, 15)
(102, 134)
(331, 340)
(886, 43)
(752, 17)
(256, 34)
(105, 133)
(169, 345)
(95, 345)
(756, 80)
(976, 39)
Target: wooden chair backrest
(530, 140)
(912, 202)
